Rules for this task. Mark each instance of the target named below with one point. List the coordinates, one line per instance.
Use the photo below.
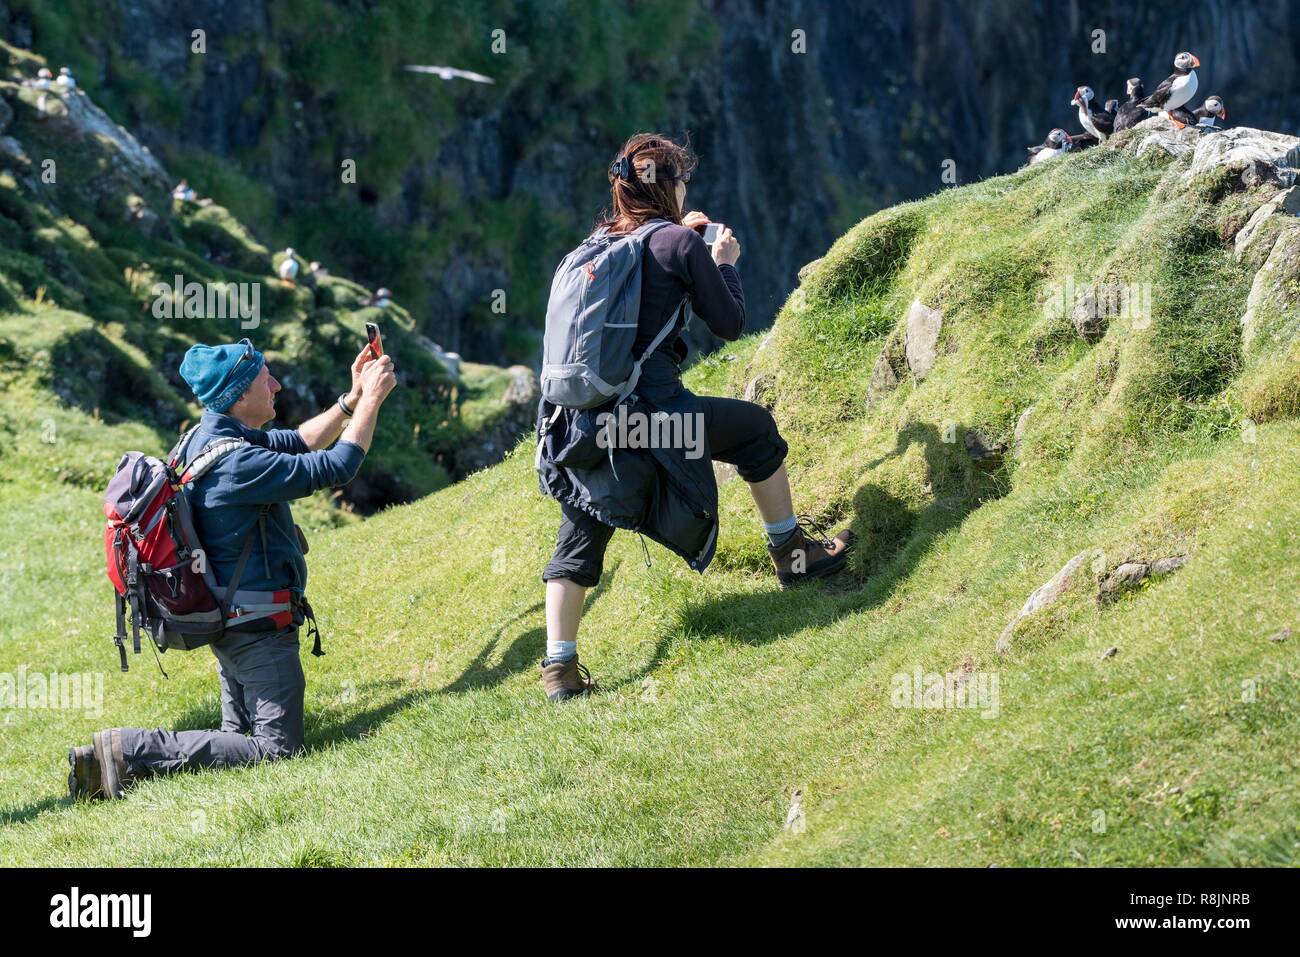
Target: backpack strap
(635, 377)
(177, 454)
(663, 333)
(119, 639)
(212, 453)
(245, 552)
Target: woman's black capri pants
(741, 433)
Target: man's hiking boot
(83, 774)
(565, 679)
(800, 558)
(113, 772)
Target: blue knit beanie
(219, 375)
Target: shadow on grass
(35, 809)
(329, 722)
(525, 651)
(892, 538)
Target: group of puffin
(65, 82)
(1100, 123)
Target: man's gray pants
(262, 689)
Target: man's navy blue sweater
(273, 468)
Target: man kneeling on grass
(262, 682)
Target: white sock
(561, 650)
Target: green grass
(429, 741)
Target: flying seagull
(451, 73)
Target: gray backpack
(591, 321)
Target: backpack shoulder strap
(213, 453)
(660, 336)
(643, 231)
(259, 524)
(177, 454)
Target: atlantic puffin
(66, 80)
(43, 78)
(379, 300)
(1099, 123)
(1210, 111)
(289, 267)
(1176, 90)
(1057, 142)
(1130, 112)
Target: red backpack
(157, 564)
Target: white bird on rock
(289, 266)
(1176, 90)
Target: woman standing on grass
(665, 494)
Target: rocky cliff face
(807, 115)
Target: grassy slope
(429, 739)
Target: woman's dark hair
(643, 182)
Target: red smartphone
(376, 344)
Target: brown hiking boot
(565, 679)
(83, 774)
(800, 558)
(114, 775)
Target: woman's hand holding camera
(726, 248)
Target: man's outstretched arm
(319, 432)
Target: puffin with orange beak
(1058, 143)
(1210, 111)
(1177, 90)
(1099, 123)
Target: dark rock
(758, 388)
(1261, 173)
(883, 380)
(1090, 319)
(986, 453)
(1164, 566)
(890, 368)
(1022, 423)
(1123, 579)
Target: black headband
(621, 168)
